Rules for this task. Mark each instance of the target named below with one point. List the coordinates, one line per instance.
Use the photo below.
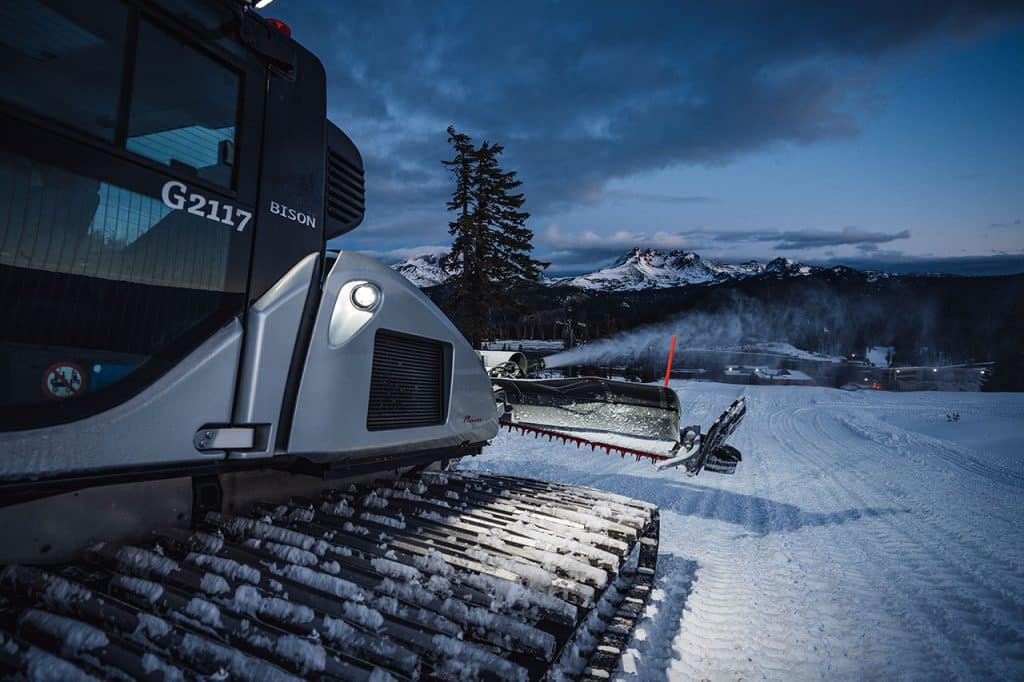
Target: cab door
(129, 150)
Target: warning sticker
(63, 380)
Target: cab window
(184, 107)
(63, 60)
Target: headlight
(366, 296)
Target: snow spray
(820, 320)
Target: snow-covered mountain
(424, 269)
(652, 269)
(636, 270)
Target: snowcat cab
(168, 181)
(217, 436)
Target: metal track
(439, 576)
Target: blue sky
(880, 134)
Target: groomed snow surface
(864, 536)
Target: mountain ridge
(638, 269)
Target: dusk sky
(872, 134)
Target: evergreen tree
(464, 257)
(491, 248)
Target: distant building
(738, 375)
(784, 377)
(768, 376)
(940, 378)
(948, 378)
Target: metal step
(441, 575)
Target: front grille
(407, 385)
(345, 190)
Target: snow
(338, 508)
(136, 560)
(225, 567)
(236, 663)
(75, 637)
(637, 270)
(207, 542)
(324, 582)
(292, 555)
(241, 526)
(369, 618)
(149, 591)
(653, 269)
(41, 666)
(309, 657)
(153, 665)
(60, 591)
(464, 661)
(151, 627)
(396, 570)
(205, 612)
(424, 269)
(863, 536)
(213, 584)
(382, 520)
(249, 600)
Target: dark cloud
(656, 198)
(848, 236)
(582, 93)
(999, 264)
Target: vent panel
(346, 198)
(344, 184)
(407, 383)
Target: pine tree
(464, 259)
(491, 249)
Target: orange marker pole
(671, 352)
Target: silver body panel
(271, 330)
(162, 424)
(154, 427)
(331, 410)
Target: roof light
(280, 26)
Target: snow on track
(863, 536)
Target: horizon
(989, 266)
(877, 134)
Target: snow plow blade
(441, 575)
(594, 405)
(709, 451)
